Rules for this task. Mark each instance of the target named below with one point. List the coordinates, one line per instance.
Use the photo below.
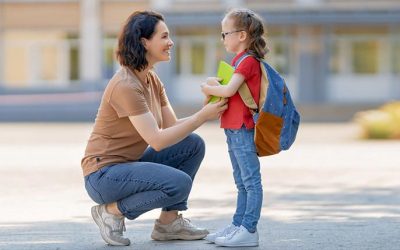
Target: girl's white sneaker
(238, 238)
(222, 232)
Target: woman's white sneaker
(238, 238)
(180, 229)
(111, 226)
(222, 232)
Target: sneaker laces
(120, 227)
(231, 234)
(226, 230)
(185, 222)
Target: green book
(225, 72)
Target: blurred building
(334, 54)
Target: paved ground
(330, 191)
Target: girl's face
(232, 37)
(159, 45)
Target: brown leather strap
(248, 99)
(246, 96)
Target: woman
(139, 155)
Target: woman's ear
(144, 42)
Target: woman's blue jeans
(158, 180)
(247, 176)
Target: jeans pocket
(236, 138)
(233, 131)
(231, 136)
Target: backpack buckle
(254, 111)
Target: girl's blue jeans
(247, 176)
(158, 180)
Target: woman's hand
(206, 100)
(159, 138)
(213, 111)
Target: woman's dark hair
(131, 52)
(247, 20)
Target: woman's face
(159, 45)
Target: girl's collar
(238, 55)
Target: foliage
(381, 123)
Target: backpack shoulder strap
(245, 93)
(238, 61)
(244, 90)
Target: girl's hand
(213, 81)
(205, 88)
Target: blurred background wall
(337, 56)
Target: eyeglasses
(224, 34)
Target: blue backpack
(276, 118)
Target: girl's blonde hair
(247, 20)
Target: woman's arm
(159, 139)
(168, 116)
(224, 90)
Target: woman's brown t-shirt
(114, 139)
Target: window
(281, 54)
(334, 65)
(16, 67)
(278, 55)
(365, 57)
(48, 63)
(73, 50)
(190, 56)
(108, 62)
(198, 52)
(74, 63)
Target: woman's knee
(197, 143)
(182, 185)
(185, 183)
(92, 189)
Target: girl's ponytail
(257, 46)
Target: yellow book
(225, 72)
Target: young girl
(242, 32)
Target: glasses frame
(224, 34)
